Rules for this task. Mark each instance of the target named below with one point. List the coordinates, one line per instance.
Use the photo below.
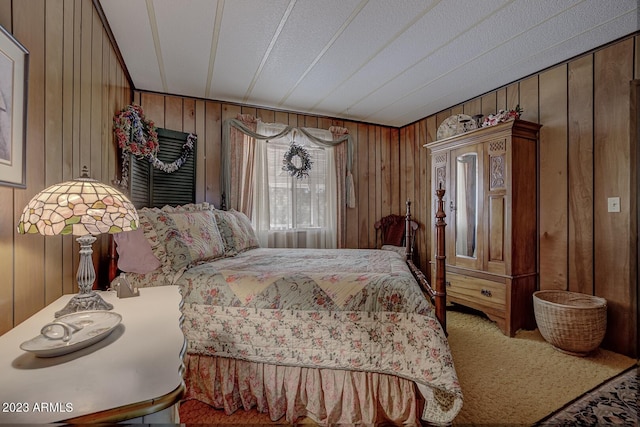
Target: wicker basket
(571, 322)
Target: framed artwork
(14, 70)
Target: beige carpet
(522, 379)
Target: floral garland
(502, 116)
(305, 161)
(139, 136)
(187, 149)
(134, 133)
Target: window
(304, 206)
(296, 203)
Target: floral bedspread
(337, 309)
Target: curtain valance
(340, 136)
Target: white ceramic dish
(92, 326)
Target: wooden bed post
(408, 238)
(436, 290)
(441, 274)
(113, 259)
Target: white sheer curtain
(291, 212)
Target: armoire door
(465, 245)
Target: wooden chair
(392, 233)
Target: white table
(133, 372)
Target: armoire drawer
(476, 292)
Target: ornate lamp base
(86, 299)
(83, 302)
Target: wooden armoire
(489, 175)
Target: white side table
(134, 372)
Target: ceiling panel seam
(324, 50)
(377, 52)
(156, 43)
(451, 40)
(267, 53)
(215, 37)
(527, 30)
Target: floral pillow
(189, 237)
(251, 241)
(236, 230)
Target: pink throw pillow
(134, 252)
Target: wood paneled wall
(75, 86)
(587, 153)
(379, 158)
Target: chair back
(391, 229)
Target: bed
(338, 336)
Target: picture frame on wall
(14, 70)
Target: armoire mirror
(466, 204)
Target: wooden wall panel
(528, 99)
(384, 169)
(489, 104)
(379, 177)
(396, 171)
(473, 107)
(173, 114)
(429, 209)
(352, 214)
(552, 176)
(53, 109)
(580, 160)
(362, 185)
(420, 209)
(29, 292)
(199, 129)
(153, 106)
(369, 155)
(387, 168)
(70, 126)
(501, 101)
(213, 142)
(585, 156)
(6, 215)
(95, 78)
(636, 68)
(513, 96)
(73, 91)
(613, 70)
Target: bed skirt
(326, 396)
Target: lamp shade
(80, 207)
(85, 208)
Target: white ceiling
(389, 62)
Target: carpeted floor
(522, 379)
(505, 381)
(613, 403)
(193, 412)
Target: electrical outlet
(613, 204)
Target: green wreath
(288, 166)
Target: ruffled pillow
(189, 237)
(250, 239)
(237, 232)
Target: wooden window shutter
(151, 187)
